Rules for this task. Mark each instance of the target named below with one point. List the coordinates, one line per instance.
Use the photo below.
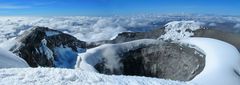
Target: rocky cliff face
(45, 47)
(168, 61)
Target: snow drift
(222, 62)
(9, 60)
(57, 76)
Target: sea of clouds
(101, 28)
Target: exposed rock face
(166, 60)
(45, 47)
(169, 61)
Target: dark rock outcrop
(45, 47)
(167, 60)
(130, 36)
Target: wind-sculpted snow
(99, 28)
(9, 60)
(56, 76)
(237, 27)
(222, 62)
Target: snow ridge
(177, 30)
(222, 62)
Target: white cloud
(212, 24)
(91, 28)
(237, 25)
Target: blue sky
(116, 7)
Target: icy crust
(177, 30)
(222, 65)
(9, 60)
(91, 57)
(56, 76)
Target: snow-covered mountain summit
(177, 30)
(166, 47)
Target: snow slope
(56, 76)
(222, 62)
(9, 60)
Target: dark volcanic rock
(130, 36)
(41, 46)
(167, 60)
(229, 37)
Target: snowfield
(222, 62)
(10, 60)
(57, 76)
